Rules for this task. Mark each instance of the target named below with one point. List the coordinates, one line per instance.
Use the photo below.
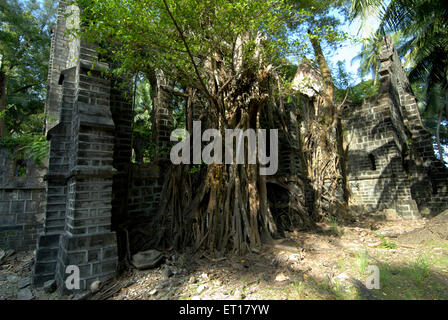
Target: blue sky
(349, 49)
(346, 50)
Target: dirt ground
(15, 279)
(330, 263)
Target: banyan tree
(228, 61)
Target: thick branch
(326, 76)
(184, 40)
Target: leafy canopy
(177, 36)
(25, 29)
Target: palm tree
(424, 26)
(434, 108)
(370, 55)
(427, 46)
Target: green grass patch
(438, 244)
(335, 228)
(362, 260)
(385, 244)
(421, 268)
(412, 280)
(418, 278)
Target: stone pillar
(89, 164)
(59, 163)
(87, 241)
(57, 63)
(379, 145)
(60, 103)
(162, 116)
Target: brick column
(56, 191)
(90, 147)
(429, 180)
(162, 116)
(87, 241)
(123, 117)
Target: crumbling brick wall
(22, 205)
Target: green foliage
(24, 54)
(362, 259)
(289, 71)
(370, 55)
(363, 90)
(27, 146)
(322, 18)
(334, 226)
(356, 94)
(421, 268)
(342, 78)
(195, 168)
(142, 127)
(21, 171)
(143, 108)
(150, 151)
(179, 111)
(385, 244)
(147, 36)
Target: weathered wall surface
(21, 202)
(377, 177)
(162, 123)
(144, 190)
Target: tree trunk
(439, 145)
(189, 114)
(323, 143)
(227, 210)
(328, 93)
(3, 101)
(375, 76)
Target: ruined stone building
(391, 162)
(91, 184)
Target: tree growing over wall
(229, 55)
(226, 51)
